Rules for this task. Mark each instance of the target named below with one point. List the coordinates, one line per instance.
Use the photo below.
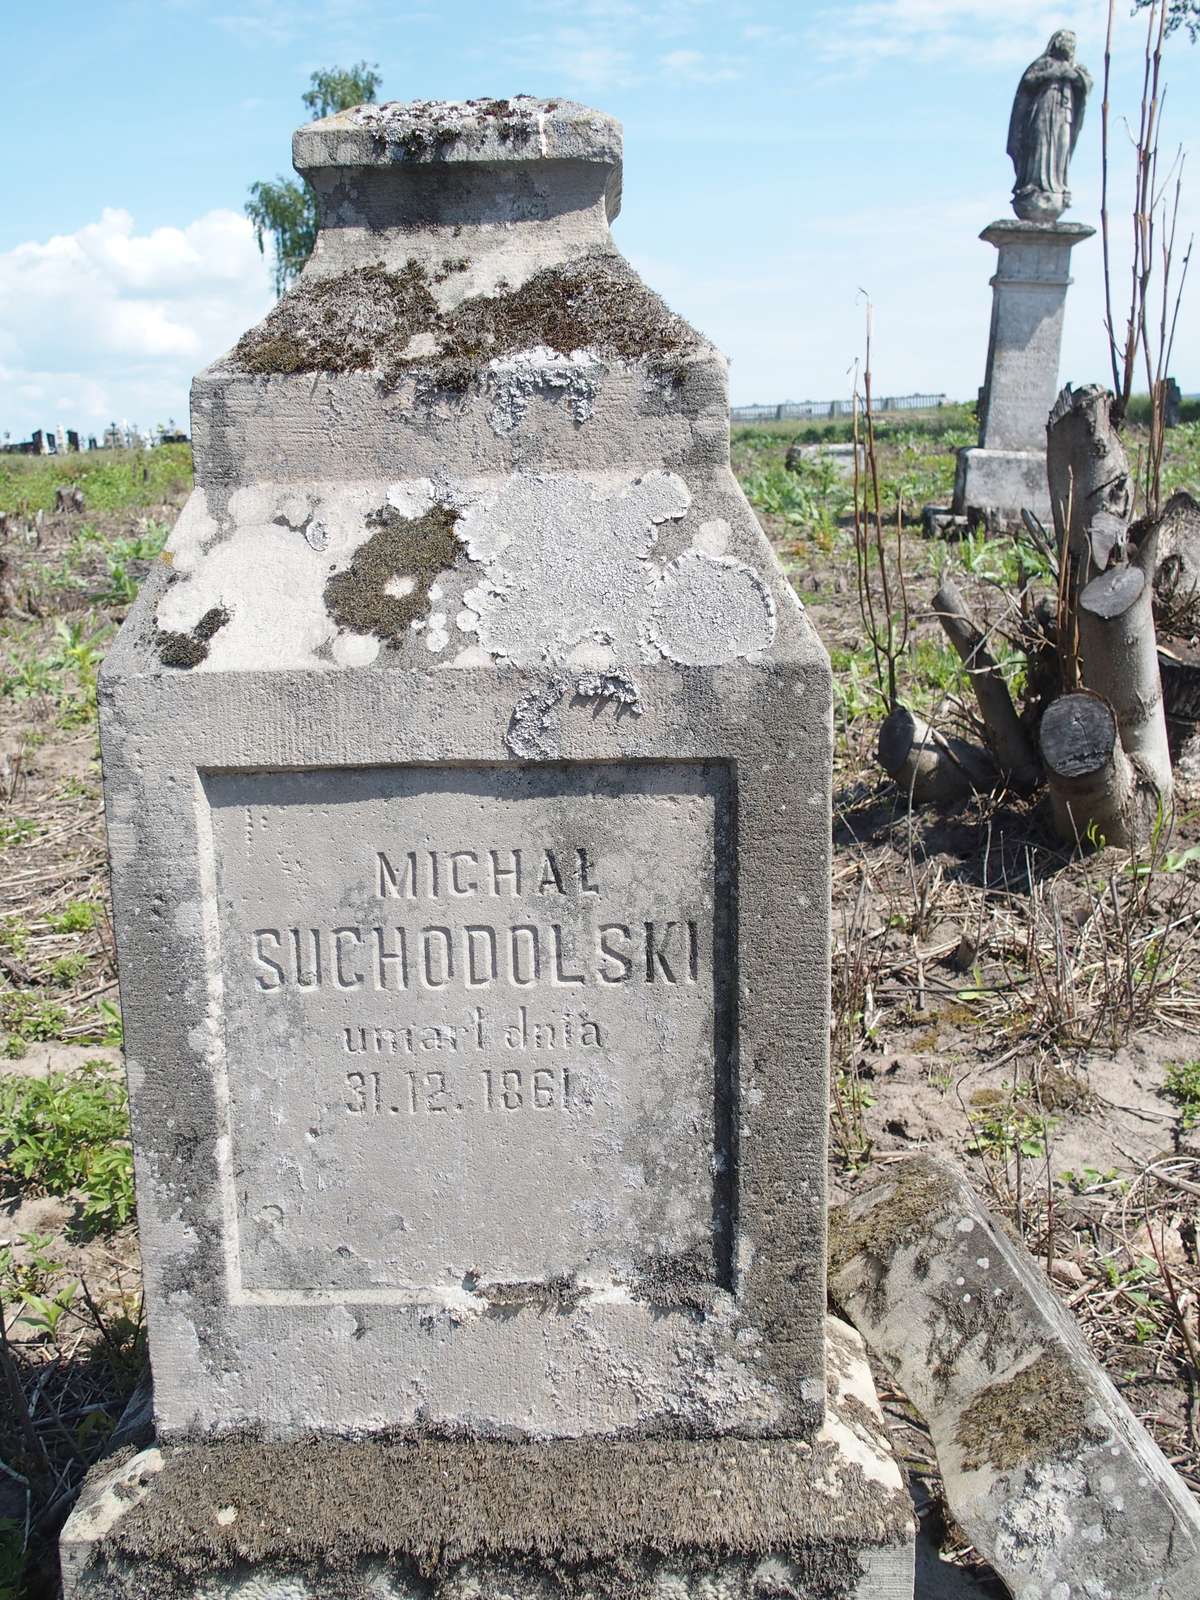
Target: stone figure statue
(1047, 115)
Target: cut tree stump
(1091, 491)
(1007, 739)
(1118, 653)
(1177, 575)
(1095, 789)
(934, 768)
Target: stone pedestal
(467, 768)
(1006, 472)
(720, 1519)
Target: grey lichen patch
(615, 686)
(513, 381)
(422, 129)
(708, 609)
(534, 727)
(190, 649)
(364, 319)
(386, 587)
(566, 564)
(1039, 1413)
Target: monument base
(664, 1519)
(995, 486)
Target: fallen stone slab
(1044, 1465)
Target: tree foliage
(287, 209)
(1180, 14)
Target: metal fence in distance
(806, 410)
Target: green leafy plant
(1005, 1126)
(127, 560)
(29, 1018)
(1182, 1085)
(70, 1132)
(17, 830)
(67, 968)
(78, 917)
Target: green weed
(70, 1132)
(78, 917)
(66, 969)
(30, 1019)
(17, 830)
(1006, 1126)
(126, 560)
(1182, 1085)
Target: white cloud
(617, 44)
(692, 66)
(108, 322)
(971, 31)
(577, 57)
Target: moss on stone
(418, 548)
(598, 1509)
(1038, 1414)
(344, 323)
(680, 1282)
(921, 1190)
(366, 318)
(190, 649)
(556, 1294)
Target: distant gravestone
(1172, 403)
(467, 771)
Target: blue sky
(779, 158)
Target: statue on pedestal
(1043, 130)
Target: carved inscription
(470, 1019)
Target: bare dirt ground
(1030, 1014)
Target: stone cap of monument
(421, 132)
(1009, 230)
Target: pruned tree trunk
(1095, 791)
(933, 767)
(1177, 575)
(1091, 491)
(1119, 657)
(1006, 737)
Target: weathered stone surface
(1044, 128)
(995, 486)
(467, 769)
(1029, 292)
(1007, 472)
(824, 1519)
(1044, 1465)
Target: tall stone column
(1006, 471)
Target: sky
(785, 162)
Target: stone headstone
(467, 769)
(1172, 403)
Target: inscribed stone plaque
(475, 1026)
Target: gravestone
(1006, 472)
(467, 771)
